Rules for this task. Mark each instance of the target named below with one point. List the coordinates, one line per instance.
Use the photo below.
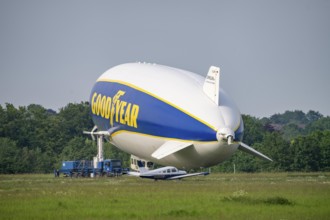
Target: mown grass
(217, 196)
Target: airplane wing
(170, 147)
(250, 150)
(188, 175)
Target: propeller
(100, 135)
(94, 133)
(91, 132)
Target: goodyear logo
(114, 109)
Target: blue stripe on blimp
(125, 107)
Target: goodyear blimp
(167, 115)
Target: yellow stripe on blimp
(159, 98)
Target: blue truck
(86, 168)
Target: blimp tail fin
(170, 147)
(211, 85)
(247, 149)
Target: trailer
(87, 168)
(109, 167)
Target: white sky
(274, 55)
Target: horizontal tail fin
(170, 147)
(250, 150)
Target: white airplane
(164, 173)
(168, 116)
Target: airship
(168, 116)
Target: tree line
(34, 139)
(295, 141)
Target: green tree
(313, 116)
(307, 153)
(325, 150)
(9, 154)
(79, 148)
(253, 130)
(278, 149)
(297, 117)
(291, 130)
(27, 161)
(319, 125)
(75, 118)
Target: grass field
(217, 196)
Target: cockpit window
(173, 170)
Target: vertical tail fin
(211, 85)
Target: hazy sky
(274, 55)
